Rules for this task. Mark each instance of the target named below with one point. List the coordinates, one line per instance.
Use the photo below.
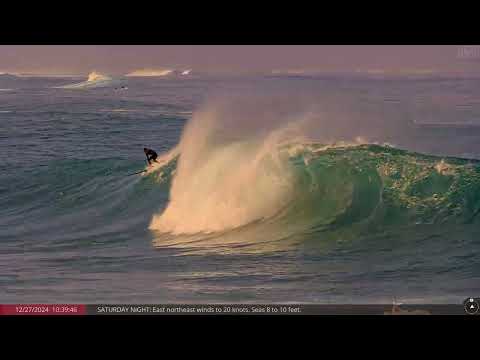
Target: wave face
(94, 80)
(324, 187)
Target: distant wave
(4, 75)
(158, 72)
(94, 76)
(292, 72)
(398, 72)
(150, 72)
(118, 110)
(94, 80)
(414, 73)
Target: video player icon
(471, 306)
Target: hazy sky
(116, 60)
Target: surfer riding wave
(151, 155)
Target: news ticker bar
(231, 309)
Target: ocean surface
(269, 189)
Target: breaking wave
(94, 80)
(231, 175)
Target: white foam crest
(225, 185)
(94, 79)
(150, 73)
(94, 76)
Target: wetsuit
(151, 155)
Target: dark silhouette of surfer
(151, 155)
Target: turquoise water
(393, 214)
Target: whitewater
(267, 189)
(94, 79)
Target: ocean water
(336, 189)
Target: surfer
(151, 155)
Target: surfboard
(152, 168)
